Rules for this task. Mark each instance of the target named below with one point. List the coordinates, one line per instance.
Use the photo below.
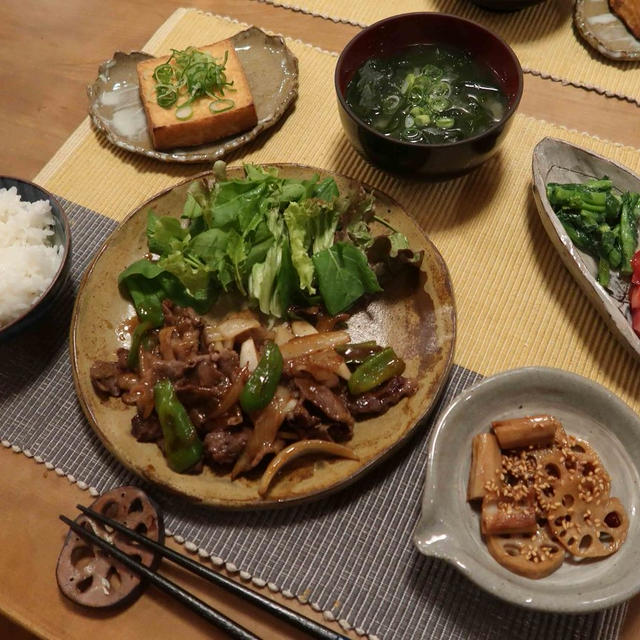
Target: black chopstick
(195, 604)
(311, 627)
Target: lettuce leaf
(344, 276)
(164, 235)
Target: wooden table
(49, 54)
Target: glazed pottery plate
(604, 31)
(116, 109)
(417, 318)
(449, 526)
(558, 161)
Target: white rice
(28, 260)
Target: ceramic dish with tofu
(264, 73)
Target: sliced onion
(248, 354)
(232, 326)
(297, 450)
(282, 334)
(232, 394)
(315, 342)
(302, 328)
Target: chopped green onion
(190, 74)
(432, 72)
(440, 90)
(184, 112)
(166, 95)
(423, 120)
(163, 73)
(445, 123)
(221, 105)
(438, 104)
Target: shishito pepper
(262, 383)
(376, 370)
(181, 443)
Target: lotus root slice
(587, 527)
(530, 555)
(86, 574)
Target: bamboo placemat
(517, 304)
(542, 36)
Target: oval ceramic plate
(417, 318)
(604, 31)
(558, 161)
(449, 527)
(116, 109)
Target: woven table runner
(543, 37)
(351, 557)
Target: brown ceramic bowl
(391, 36)
(417, 317)
(30, 192)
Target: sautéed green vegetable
(426, 94)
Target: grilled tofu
(168, 132)
(629, 12)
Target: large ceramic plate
(417, 318)
(449, 527)
(558, 161)
(604, 31)
(116, 109)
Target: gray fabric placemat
(350, 555)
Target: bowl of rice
(35, 247)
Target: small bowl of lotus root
(532, 490)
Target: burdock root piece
(90, 577)
(533, 556)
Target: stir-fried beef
(228, 361)
(183, 317)
(223, 447)
(104, 376)
(230, 418)
(311, 401)
(146, 429)
(379, 400)
(322, 397)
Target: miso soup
(426, 94)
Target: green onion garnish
(191, 74)
(184, 112)
(221, 104)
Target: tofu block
(167, 132)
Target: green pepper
(181, 443)
(262, 383)
(134, 351)
(376, 370)
(149, 309)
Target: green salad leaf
(277, 241)
(344, 276)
